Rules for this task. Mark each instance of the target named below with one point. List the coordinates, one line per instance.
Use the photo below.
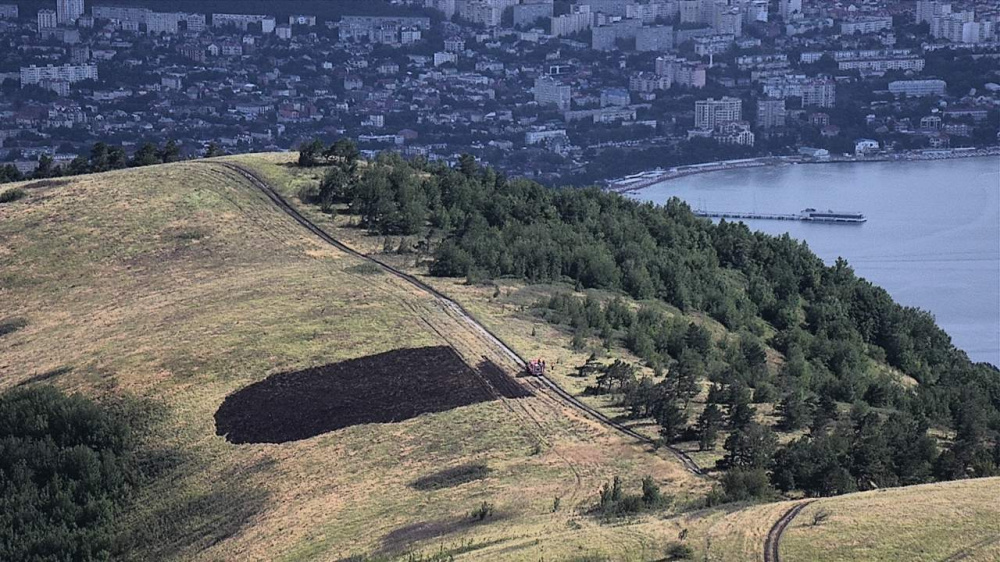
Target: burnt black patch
(384, 388)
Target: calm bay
(932, 238)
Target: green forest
(68, 468)
(846, 347)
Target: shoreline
(643, 180)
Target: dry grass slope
(946, 521)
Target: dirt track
(771, 551)
(451, 308)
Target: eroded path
(772, 552)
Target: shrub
(12, 325)
(679, 551)
(745, 485)
(12, 195)
(485, 510)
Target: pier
(809, 215)
(750, 216)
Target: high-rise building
(568, 24)
(8, 11)
(790, 9)
(550, 91)
(927, 10)
(755, 11)
(654, 38)
(446, 7)
(820, 92)
(690, 11)
(47, 19)
(68, 72)
(951, 26)
(770, 113)
(67, 11)
(530, 12)
(728, 22)
(711, 112)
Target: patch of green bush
(12, 195)
(12, 325)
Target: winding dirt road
(452, 307)
(771, 551)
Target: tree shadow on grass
(167, 523)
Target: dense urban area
(562, 92)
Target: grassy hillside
(181, 284)
(943, 521)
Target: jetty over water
(749, 216)
(810, 215)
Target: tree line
(842, 339)
(103, 158)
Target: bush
(679, 551)
(12, 325)
(485, 510)
(746, 485)
(12, 195)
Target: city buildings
(711, 112)
(864, 25)
(68, 72)
(790, 9)
(578, 20)
(918, 88)
(68, 11)
(529, 13)
(771, 114)
(243, 21)
(654, 38)
(350, 74)
(548, 91)
(680, 71)
(47, 19)
(819, 92)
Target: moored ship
(832, 216)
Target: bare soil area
(384, 388)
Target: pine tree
(709, 423)
(171, 152)
(672, 421)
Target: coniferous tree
(147, 155)
(709, 424)
(672, 421)
(751, 447)
(171, 152)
